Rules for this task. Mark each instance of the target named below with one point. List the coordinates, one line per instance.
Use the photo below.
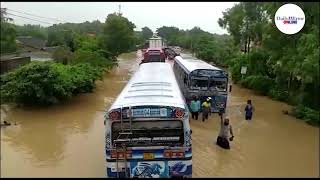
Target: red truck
(153, 55)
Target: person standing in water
(248, 110)
(195, 107)
(206, 107)
(223, 137)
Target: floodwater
(68, 140)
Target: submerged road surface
(68, 140)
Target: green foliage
(55, 36)
(261, 84)
(218, 49)
(45, 83)
(291, 63)
(93, 58)
(35, 83)
(64, 34)
(146, 33)
(311, 116)
(279, 94)
(118, 35)
(8, 38)
(36, 31)
(8, 33)
(62, 55)
(171, 34)
(245, 22)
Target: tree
(146, 33)
(62, 55)
(245, 23)
(118, 34)
(32, 30)
(171, 34)
(55, 36)
(8, 34)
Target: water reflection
(50, 137)
(68, 140)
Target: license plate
(148, 156)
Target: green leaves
(7, 38)
(45, 83)
(290, 62)
(118, 35)
(146, 33)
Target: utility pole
(119, 13)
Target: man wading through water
(249, 110)
(195, 107)
(206, 107)
(225, 128)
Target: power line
(36, 15)
(29, 18)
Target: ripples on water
(67, 140)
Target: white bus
(198, 78)
(147, 127)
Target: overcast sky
(184, 15)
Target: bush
(62, 55)
(309, 115)
(91, 57)
(261, 84)
(279, 94)
(45, 83)
(35, 83)
(235, 67)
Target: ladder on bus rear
(123, 148)
(124, 131)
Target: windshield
(150, 133)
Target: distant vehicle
(153, 55)
(170, 54)
(148, 133)
(196, 77)
(156, 42)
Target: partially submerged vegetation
(283, 67)
(79, 61)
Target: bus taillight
(113, 154)
(180, 154)
(120, 155)
(129, 154)
(178, 113)
(114, 115)
(167, 154)
(173, 154)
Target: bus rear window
(150, 133)
(199, 83)
(219, 85)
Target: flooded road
(68, 140)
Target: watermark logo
(289, 19)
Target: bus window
(199, 83)
(152, 133)
(220, 85)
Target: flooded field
(68, 140)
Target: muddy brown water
(68, 140)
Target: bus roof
(191, 64)
(153, 84)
